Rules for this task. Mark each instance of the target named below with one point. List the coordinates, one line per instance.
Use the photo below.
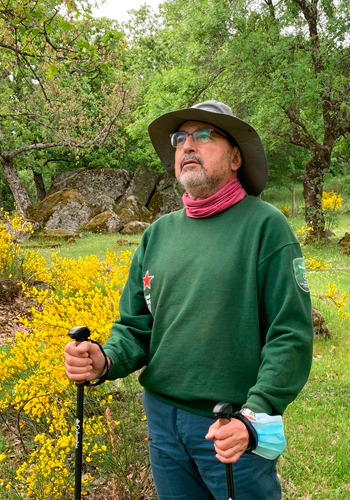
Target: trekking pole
(79, 334)
(223, 412)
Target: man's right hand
(84, 361)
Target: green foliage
(282, 66)
(62, 85)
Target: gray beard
(199, 185)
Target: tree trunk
(312, 192)
(19, 193)
(1, 201)
(39, 185)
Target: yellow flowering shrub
(34, 267)
(338, 299)
(285, 210)
(32, 378)
(316, 264)
(331, 201)
(9, 249)
(12, 264)
(304, 231)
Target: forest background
(76, 91)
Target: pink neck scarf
(226, 197)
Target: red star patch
(147, 281)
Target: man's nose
(189, 144)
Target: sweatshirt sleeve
(128, 344)
(285, 329)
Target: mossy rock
(57, 235)
(344, 242)
(346, 248)
(94, 182)
(142, 185)
(107, 221)
(164, 202)
(42, 211)
(133, 210)
(135, 227)
(319, 324)
(125, 243)
(66, 209)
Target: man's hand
(231, 440)
(84, 361)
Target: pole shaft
(230, 483)
(79, 441)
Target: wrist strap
(253, 437)
(102, 379)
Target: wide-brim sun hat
(252, 173)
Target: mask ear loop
(253, 436)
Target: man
(215, 309)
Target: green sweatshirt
(217, 309)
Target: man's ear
(236, 159)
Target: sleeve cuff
(258, 405)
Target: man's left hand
(231, 440)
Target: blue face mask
(270, 431)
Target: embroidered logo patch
(147, 280)
(300, 274)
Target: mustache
(193, 157)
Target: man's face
(203, 169)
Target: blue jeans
(184, 465)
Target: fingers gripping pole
(79, 334)
(223, 412)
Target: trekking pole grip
(223, 411)
(79, 334)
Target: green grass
(87, 244)
(316, 461)
(315, 464)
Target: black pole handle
(79, 333)
(223, 410)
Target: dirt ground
(10, 311)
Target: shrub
(331, 202)
(35, 391)
(11, 260)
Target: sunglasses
(201, 136)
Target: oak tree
(61, 84)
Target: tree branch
(41, 146)
(106, 130)
(205, 87)
(16, 50)
(37, 78)
(5, 74)
(271, 7)
(299, 135)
